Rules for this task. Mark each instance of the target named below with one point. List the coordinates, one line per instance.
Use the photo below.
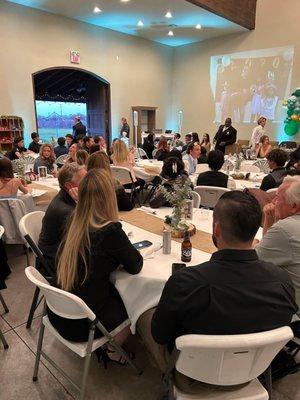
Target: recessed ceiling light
(124, 1)
(169, 14)
(198, 26)
(170, 33)
(97, 10)
(140, 23)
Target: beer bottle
(186, 248)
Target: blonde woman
(72, 152)
(264, 147)
(122, 157)
(100, 160)
(82, 157)
(45, 159)
(95, 245)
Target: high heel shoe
(103, 356)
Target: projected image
(56, 118)
(249, 84)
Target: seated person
(294, 161)
(69, 140)
(188, 140)
(203, 156)
(276, 160)
(59, 211)
(148, 145)
(9, 185)
(172, 172)
(195, 137)
(94, 148)
(100, 160)
(82, 157)
(94, 246)
(233, 293)
(177, 142)
(191, 156)
(281, 231)
(60, 149)
(72, 152)
(214, 177)
(88, 142)
(162, 149)
(18, 149)
(264, 147)
(206, 142)
(34, 146)
(102, 144)
(45, 159)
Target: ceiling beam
(242, 12)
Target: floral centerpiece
(179, 195)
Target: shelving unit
(11, 127)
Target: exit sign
(74, 57)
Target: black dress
(110, 247)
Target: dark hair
(18, 139)
(195, 137)
(208, 138)
(191, 146)
(86, 139)
(34, 135)
(278, 156)
(6, 168)
(69, 136)
(177, 135)
(175, 153)
(188, 135)
(96, 139)
(172, 167)
(61, 141)
(215, 160)
(94, 148)
(203, 150)
(239, 215)
(150, 137)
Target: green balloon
(291, 128)
(290, 112)
(297, 93)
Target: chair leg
(38, 352)
(33, 307)
(2, 338)
(268, 381)
(27, 256)
(4, 304)
(87, 362)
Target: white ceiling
(123, 17)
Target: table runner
(201, 240)
(45, 198)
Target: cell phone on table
(142, 245)
(176, 267)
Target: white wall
(277, 24)
(32, 40)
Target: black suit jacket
(232, 293)
(228, 136)
(79, 130)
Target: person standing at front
(225, 136)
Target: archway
(69, 85)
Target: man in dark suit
(78, 129)
(225, 136)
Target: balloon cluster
(292, 121)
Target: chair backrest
(273, 190)
(210, 195)
(31, 224)
(62, 303)
(140, 153)
(196, 199)
(154, 152)
(1, 231)
(11, 211)
(250, 168)
(62, 159)
(27, 160)
(122, 174)
(202, 168)
(229, 359)
(262, 165)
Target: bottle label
(186, 254)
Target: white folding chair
(30, 227)
(2, 338)
(154, 152)
(62, 159)
(69, 306)
(140, 153)
(262, 165)
(210, 195)
(272, 191)
(28, 162)
(123, 175)
(196, 199)
(229, 360)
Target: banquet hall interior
(85, 82)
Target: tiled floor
(115, 383)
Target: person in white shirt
(191, 157)
(258, 132)
(281, 231)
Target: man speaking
(225, 136)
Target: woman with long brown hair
(9, 185)
(100, 160)
(82, 157)
(45, 159)
(95, 245)
(162, 149)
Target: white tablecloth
(142, 291)
(50, 182)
